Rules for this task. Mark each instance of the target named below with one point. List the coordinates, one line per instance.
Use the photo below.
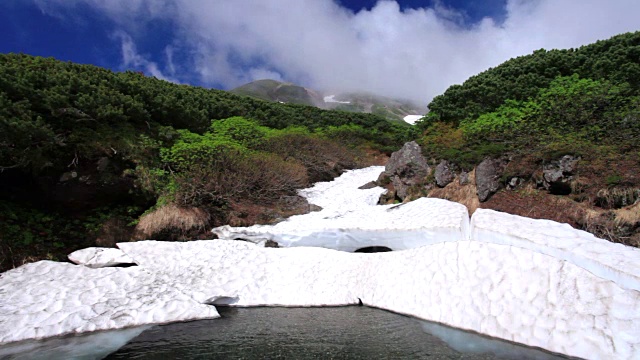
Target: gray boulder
(407, 161)
(406, 168)
(488, 175)
(557, 175)
(444, 173)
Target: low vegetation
(91, 156)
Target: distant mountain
(392, 109)
(272, 90)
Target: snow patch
(411, 119)
(332, 99)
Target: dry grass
(171, 218)
(612, 198)
(628, 215)
(537, 204)
(463, 194)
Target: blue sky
(410, 48)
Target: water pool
(353, 332)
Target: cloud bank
(411, 53)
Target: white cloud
(262, 73)
(413, 53)
(131, 58)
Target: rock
(514, 182)
(488, 175)
(271, 244)
(68, 176)
(406, 168)
(400, 186)
(407, 160)
(444, 173)
(388, 197)
(369, 185)
(383, 179)
(557, 175)
(463, 179)
(102, 164)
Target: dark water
(316, 333)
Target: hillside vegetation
(84, 152)
(533, 110)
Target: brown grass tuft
(628, 215)
(171, 218)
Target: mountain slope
(272, 90)
(358, 102)
(389, 108)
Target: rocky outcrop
(557, 175)
(405, 169)
(488, 174)
(444, 173)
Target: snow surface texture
(350, 219)
(411, 119)
(615, 262)
(535, 282)
(47, 298)
(96, 257)
(499, 290)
